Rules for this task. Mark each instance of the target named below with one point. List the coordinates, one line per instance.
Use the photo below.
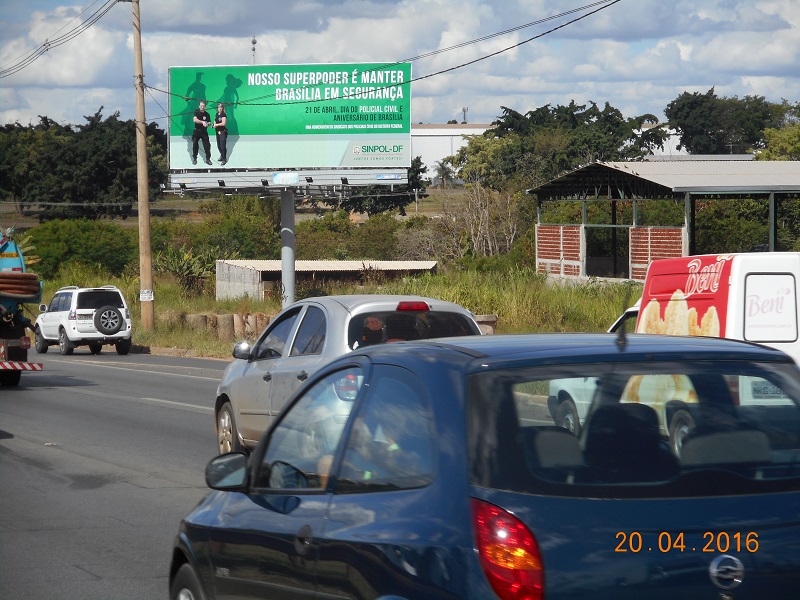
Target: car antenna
(622, 337)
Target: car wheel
(567, 416)
(108, 320)
(123, 347)
(227, 436)
(95, 348)
(39, 342)
(10, 378)
(186, 585)
(679, 427)
(64, 344)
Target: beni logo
(381, 149)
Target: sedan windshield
(622, 429)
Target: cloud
(637, 55)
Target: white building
(435, 142)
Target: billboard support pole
(287, 246)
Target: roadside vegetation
(70, 190)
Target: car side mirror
(43, 308)
(241, 350)
(227, 471)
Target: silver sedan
(305, 336)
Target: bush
(94, 243)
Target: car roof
(359, 302)
(585, 347)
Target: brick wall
(651, 243)
(560, 250)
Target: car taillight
(25, 342)
(413, 305)
(71, 316)
(508, 553)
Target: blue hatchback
(434, 470)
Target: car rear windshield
(395, 326)
(650, 429)
(99, 298)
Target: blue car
(433, 470)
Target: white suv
(84, 317)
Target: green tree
(781, 144)
(96, 243)
(708, 124)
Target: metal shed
(259, 278)
(690, 178)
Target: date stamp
(719, 542)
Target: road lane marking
(107, 366)
(171, 403)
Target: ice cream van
(749, 296)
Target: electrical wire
(602, 5)
(27, 59)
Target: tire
(95, 348)
(227, 435)
(567, 416)
(108, 320)
(40, 343)
(64, 344)
(679, 427)
(123, 346)
(10, 378)
(186, 585)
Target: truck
(17, 287)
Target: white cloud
(637, 55)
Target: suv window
(95, 299)
(60, 302)
(651, 430)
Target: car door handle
(302, 543)
(302, 375)
(267, 376)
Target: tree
(711, 125)
(781, 144)
(86, 172)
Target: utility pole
(145, 250)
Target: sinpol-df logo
(378, 149)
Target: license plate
(763, 390)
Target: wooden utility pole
(145, 250)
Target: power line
(602, 5)
(27, 59)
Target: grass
(524, 301)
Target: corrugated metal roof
(309, 266)
(717, 175)
(672, 179)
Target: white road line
(171, 403)
(107, 366)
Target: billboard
(294, 116)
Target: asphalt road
(100, 457)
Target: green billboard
(294, 116)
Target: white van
(750, 296)
(747, 296)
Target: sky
(469, 57)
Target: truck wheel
(567, 417)
(10, 378)
(227, 436)
(40, 343)
(64, 345)
(123, 347)
(679, 427)
(95, 348)
(108, 320)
